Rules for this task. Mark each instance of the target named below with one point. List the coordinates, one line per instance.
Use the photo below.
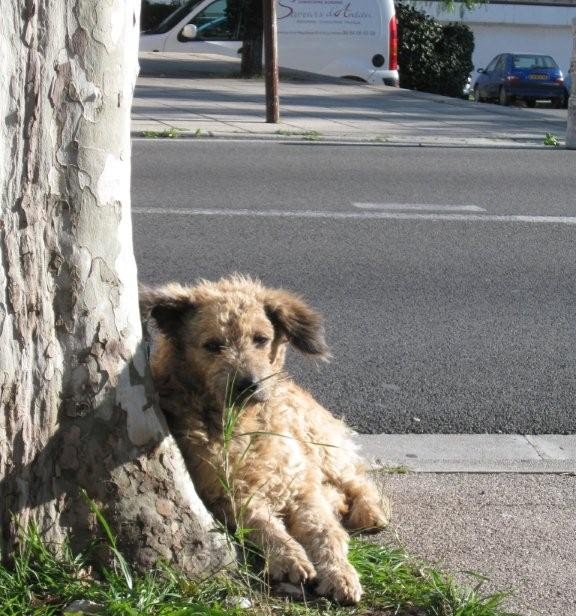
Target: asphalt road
(455, 317)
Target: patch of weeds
(400, 469)
(309, 135)
(312, 135)
(288, 133)
(551, 140)
(171, 133)
(40, 583)
(397, 584)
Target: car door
(500, 72)
(495, 76)
(484, 78)
(215, 31)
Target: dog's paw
(292, 566)
(368, 516)
(342, 585)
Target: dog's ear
(167, 305)
(293, 318)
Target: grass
(309, 135)
(39, 583)
(393, 581)
(312, 135)
(171, 133)
(551, 140)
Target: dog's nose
(246, 386)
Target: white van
(341, 38)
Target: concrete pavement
(471, 453)
(519, 531)
(499, 505)
(195, 96)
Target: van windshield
(174, 18)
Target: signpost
(271, 61)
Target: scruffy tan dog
(260, 449)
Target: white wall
(512, 27)
(491, 39)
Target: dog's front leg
(285, 557)
(369, 511)
(313, 524)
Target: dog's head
(232, 335)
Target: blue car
(527, 76)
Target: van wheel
(558, 103)
(477, 97)
(531, 102)
(503, 98)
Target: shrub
(433, 57)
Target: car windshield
(174, 18)
(533, 61)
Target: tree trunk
(251, 59)
(571, 127)
(251, 25)
(77, 408)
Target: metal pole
(571, 127)
(271, 61)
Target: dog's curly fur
(295, 476)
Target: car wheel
(531, 102)
(558, 102)
(477, 97)
(503, 98)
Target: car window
(501, 64)
(492, 64)
(533, 61)
(213, 23)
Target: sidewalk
(500, 505)
(517, 530)
(196, 97)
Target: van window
(174, 17)
(213, 23)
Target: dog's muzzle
(249, 389)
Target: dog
(262, 453)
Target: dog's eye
(213, 346)
(260, 341)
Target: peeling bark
(77, 407)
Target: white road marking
(557, 220)
(430, 207)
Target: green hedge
(433, 57)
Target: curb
(444, 142)
(470, 453)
